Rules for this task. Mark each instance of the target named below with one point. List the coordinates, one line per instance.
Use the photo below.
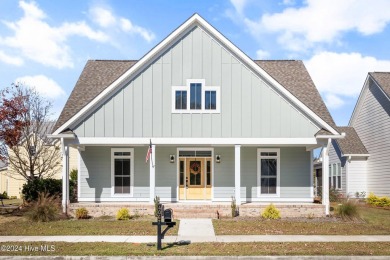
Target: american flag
(149, 152)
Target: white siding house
(219, 124)
(371, 120)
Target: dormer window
(201, 98)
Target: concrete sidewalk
(197, 239)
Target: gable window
(122, 171)
(196, 97)
(268, 171)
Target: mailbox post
(167, 222)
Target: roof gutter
(64, 136)
(341, 136)
(358, 155)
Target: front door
(195, 178)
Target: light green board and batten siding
(249, 107)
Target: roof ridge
(112, 60)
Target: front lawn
(19, 226)
(198, 249)
(374, 222)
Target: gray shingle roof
(292, 75)
(351, 144)
(96, 76)
(99, 74)
(383, 79)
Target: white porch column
(65, 176)
(325, 177)
(152, 172)
(237, 173)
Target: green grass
(374, 222)
(19, 226)
(199, 249)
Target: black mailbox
(168, 216)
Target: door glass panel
(195, 172)
(181, 173)
(208, 172)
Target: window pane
(195, 172)
(181, 173)
(213, 100)
(334, 182)
(207, 100)
(210, 100)
(196, 96)
(208, 173)
(272, 185)
(118, 167)
(268, 167)
(118, 184)
(264, 185)
(126, 184)
(181, 99)
(339, 182)
(126, 166)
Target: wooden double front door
(195, 178)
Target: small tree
(25, 123)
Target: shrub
(374, 200)
(73, 175)
(45, 208)
(4, 195)
(123, 214)
(72, 191)
(347, 210)
(156, 202)
(335, 195)
(82, 213)
(31, 189)
(234, 208)
(271, 212)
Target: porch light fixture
(172, 158)
(218, 158)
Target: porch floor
(201, 209)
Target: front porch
(201, 209)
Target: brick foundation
(204, 210)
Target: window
(339, 176)
(181, 99)
(335, 176)
(208, 173)
(122, 171)
(268, 172)
(196, 97)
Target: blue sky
(47, 43)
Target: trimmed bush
(374, 200)
(123, 214)
(347, 211)
(82, 213)
(45, 208)
(31, 189)
(271, 212)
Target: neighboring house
(348, 164)
(221, 125)
(12, 182)
(363, 156)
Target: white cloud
(321, 21)
(239, 5)
(333, 101)
(43, 85)
(338, 75)
(13, 60)
(261, 54)
(35, 39)
(102, 16)
(105, 18)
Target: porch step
(198, 211)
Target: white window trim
(277, 157)
(204, 89)
(131, 157)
